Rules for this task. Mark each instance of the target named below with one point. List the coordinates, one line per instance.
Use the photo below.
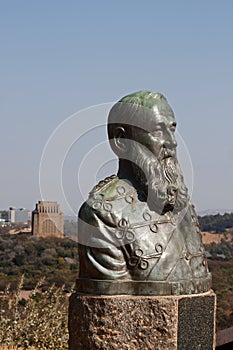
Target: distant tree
(216, 223)
(33, 257)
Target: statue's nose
(170, 140)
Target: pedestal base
(142, 322)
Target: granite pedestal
(121, 322)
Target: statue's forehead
(142, 117)
(148, 121)
(162, 119)
(163, 115)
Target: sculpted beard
(161, 180)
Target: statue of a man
(138, 231)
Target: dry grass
(210, 237)
(40, 322)
(9, 347)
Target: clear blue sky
(58, 57)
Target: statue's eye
(173, 127)
(157, 133)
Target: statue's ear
(120, 139)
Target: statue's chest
(142, 233)
(148, 239)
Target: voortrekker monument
(47, 220)
(143, 279)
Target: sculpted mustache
(166, 153)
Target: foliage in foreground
(39, 322)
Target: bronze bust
(138, 231)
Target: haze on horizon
(58, 58)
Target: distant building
(20, 215)
(13, 215)
(5, 215)
(222, 256)
(2, 222)
(47, 220)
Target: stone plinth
(142, 322)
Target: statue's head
(141, 129)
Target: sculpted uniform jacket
(125, 248)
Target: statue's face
(153, 150)
(159, 136)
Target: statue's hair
(133, 109)
(144, 98)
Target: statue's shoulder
(104, 187)
(106, 194)
(96, 196)
(110, 189)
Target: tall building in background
(17, 216)
(47, 220)
(21, 215)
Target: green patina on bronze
(149, 100)
(138, 231)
